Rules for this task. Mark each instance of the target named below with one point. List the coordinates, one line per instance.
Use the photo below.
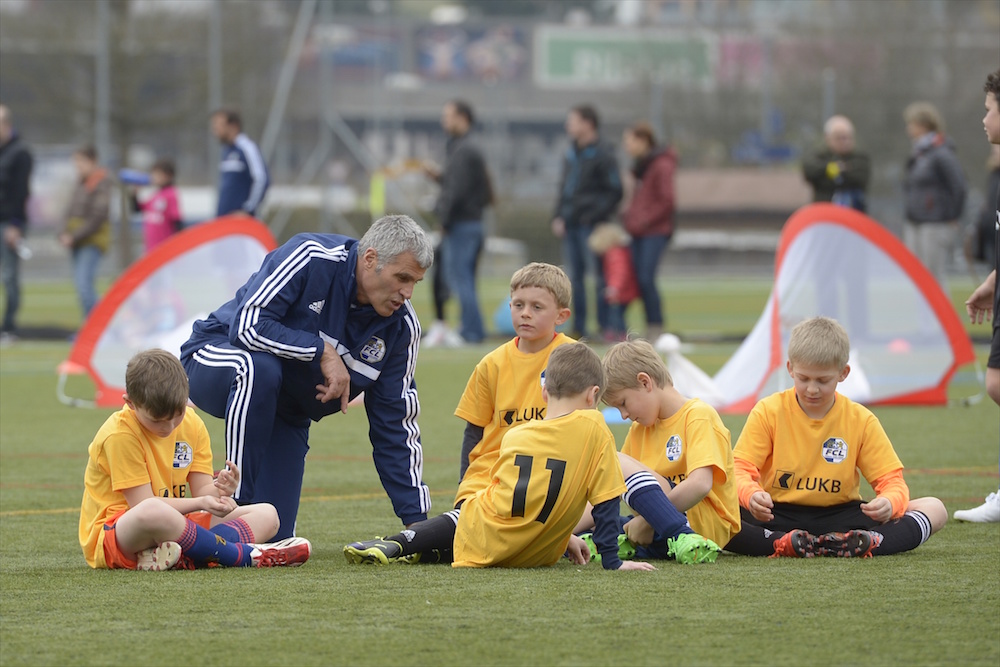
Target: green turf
(935, 605)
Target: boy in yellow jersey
(504, 391)
(150, 501)
(798, 460)
(546, 472)
(677, 445)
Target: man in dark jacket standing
(934, 189)
(465, 192)
(837, 172)
(15, 175)
(589, 192)
(243, 177)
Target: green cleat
(691, 548)
(373, 552)
(626, 550)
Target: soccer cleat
(852, 544)
(290, 552)
(626, 550)
(988, 512)
(794, 544)
(373, 552)
(691, 548)
(163, 556)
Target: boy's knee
(933, 509)
(153, 513)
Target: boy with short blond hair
(149, 495)
(675, 445)
(504, 391)
(799, 456)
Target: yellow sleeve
(876, 457)
(126, 461)
(477, 403)
(707, 448)
(608, 481)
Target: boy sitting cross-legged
(677, 446)
(150, 501)
(798, 459)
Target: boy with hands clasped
(150, 501)
(798, 462)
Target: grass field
(935, 605)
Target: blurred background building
(337, 91)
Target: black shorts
(816, 520)
(994, 359)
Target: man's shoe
(163, 556)
(626, 550)
(988, 512)
(435, 336)
(373, 552)
(692, 548)
(290, 552)
(852, 544)
(794, 544)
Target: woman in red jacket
(649, 216)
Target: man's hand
(761, 506)
(338, 379)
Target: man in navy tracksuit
(243, 177)
(325, 318)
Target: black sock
(436, 533)
(905, 533)
(753, 541)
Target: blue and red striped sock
(235, 530)
(204, 546)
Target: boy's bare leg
(933, 509)
(147, 524)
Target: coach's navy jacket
(304, 294)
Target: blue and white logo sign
(374, 350)
(182, 454)
(834, 450)
(673, 449)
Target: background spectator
(836, 171)
(649, 216)
(243, 177)
(15, 175)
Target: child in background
(676, 444)
(161, 215)
(798, 459)
(149, 497)
(611, 242)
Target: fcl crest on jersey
(834, 450)
(673, 448)
(374, 350)
(182, 454)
